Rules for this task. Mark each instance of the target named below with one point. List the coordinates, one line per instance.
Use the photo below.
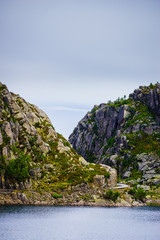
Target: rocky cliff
(39, 165)
(124, 134)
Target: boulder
(112, 180)
(99, 180)
(32, 117)
(19, 115)
(8, 131)
(1, 138)
(83, 161)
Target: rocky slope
(124, 134)
(39, 166)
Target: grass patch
(143, 142)
(153, 204)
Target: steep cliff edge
(124, 134)
(39, 166)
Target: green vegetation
(38, 125)
(86, 197)
(17, 170)
(146, 89)
(92, 118)
(110, 142)
(143, 142)
(107, 175)
(139, 114)
(2, 87)
(111, 195)
(56, 195)
(90, 156)
(138, 194)
(66, 172)
(95, 109)
(55, 170)
(151, 86)
(120, 102)
(135, 174)
(153, 204)
(95, 128)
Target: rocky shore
(22, 198)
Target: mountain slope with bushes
(124, 134)
(37, 164)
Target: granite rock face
(34, 156)
(150, 96)
(124, 134)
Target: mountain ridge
(37, 164)
(124, 134)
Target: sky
(67, 56)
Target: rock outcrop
(124, 134)
(149, 96)
(36, 159)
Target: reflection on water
(79, 223)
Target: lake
(79, 223)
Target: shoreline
(73, 205)
(33, 198)
(150, 203)
(5, 201)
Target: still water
(79, 223)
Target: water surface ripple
(79, 223)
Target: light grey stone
(49, 166)
(127, 174)
(1, 138)
(5, 152)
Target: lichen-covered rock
(124, 134)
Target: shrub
(18, 169)
(66, 144)
(107, 175)
(86, 197)
(110, 142)
(138, 194)
(90, 156)
(110, 195)
(56, 195)
(38, 125)
(95, 129)
(115, 196)
(95, 109)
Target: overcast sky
(66, 56)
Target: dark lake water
(79, 223)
